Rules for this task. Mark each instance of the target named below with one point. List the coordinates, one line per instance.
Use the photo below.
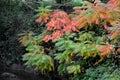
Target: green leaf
(60, 43)
(61, 68)
(73, 69)
(30, 48)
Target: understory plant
(76, 40)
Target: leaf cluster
(76, 37)
(36, 56)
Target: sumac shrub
(78, 39)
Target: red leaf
(105, 49)
(38, 20)
(97, 21)
(106, 26)
(46, 38)
(78, 11)
(74, 29)
(56, 34)
(114, 4)
(67, 28)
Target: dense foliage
(74, 40)
(72, 37)
(15, 17)
(105, 71)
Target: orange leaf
(105, 49)
(102, 15)
(83, 24)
